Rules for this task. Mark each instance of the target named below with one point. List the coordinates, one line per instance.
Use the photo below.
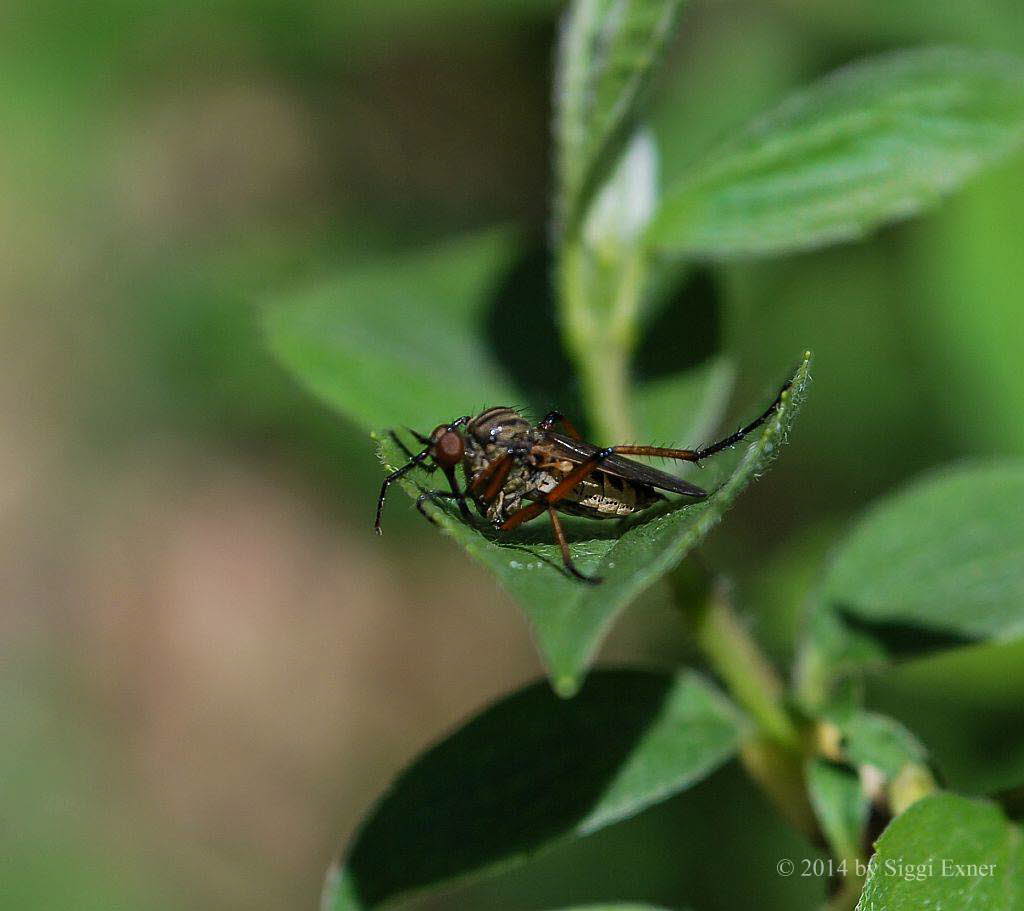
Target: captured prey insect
(514, 471)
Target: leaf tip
(566, 685)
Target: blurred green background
(209, 664)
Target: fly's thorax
(522, 477)
(499, 426)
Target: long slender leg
(415, 461)
(697, 455)
(734, 438)
(429, 469)
(556, 417)
(453, 482)
(563, 545)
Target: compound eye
(449, 449)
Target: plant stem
(600, 301)
(744, 669)
(774, 756)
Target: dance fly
(514, 471)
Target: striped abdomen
(601, 496)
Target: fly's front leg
(457, 494)
(489, 481)
(429, 469)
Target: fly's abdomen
(601, 496)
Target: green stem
(600, 332)
(775, 754)
(744, 669)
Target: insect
(514, 471)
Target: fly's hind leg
(698, 455)
(563, 545)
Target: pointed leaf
(607, 51)
(876, 141)
(570, 618)
(533, 770)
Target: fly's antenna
(394, 476)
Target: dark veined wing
(579, 451)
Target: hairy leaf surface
(876, 141)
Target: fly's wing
(627, 469)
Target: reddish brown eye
(449, 449)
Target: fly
(514, 471)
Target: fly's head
(447, 444)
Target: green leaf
(840, 805)
(607, 51)
(570, 618)
(938, 564)
(944, 554)
(877, 141)
(530, 771)
(399, 342)
(880, 741)
(947, 852)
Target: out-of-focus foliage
(841, 806)
(362, 342)
(946, 553)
